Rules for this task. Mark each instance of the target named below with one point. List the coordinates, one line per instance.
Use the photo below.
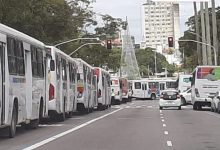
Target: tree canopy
(189, 48)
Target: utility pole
(199, 53)
(204, 52)
(214, 28)
(209, 53)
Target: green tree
(190, 50)
(50, 21)
(146, 62)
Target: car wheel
(179, 108)
(183, 101)
(161, 108)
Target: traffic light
(170, 41)
(109, 44)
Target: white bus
(145, 88)
(205, 83)
(23, 80)
(85, 101)
(62, 84)
(104, 89)
(116, 90)
(183, 82)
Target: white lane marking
(162, 120)
(211, 114)
(127, 106)
(138, 107)
(160, 111)
(149, 106)
(161, 117)
(50, 125)
(164, 125)
(161, 114)
(169, 143)
(68, 131)
(166, 132)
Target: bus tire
(12, 127)
(62, 116)
(195, 106)
(153, 97)
(41, 111)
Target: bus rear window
(208, 73)
(137, 85)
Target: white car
(186, 97)
(170, 98)
(215, 103)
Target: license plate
(170, 102)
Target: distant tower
(129, 65)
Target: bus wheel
(153, 97)
(195, 106)
(12, 127)
(41, 111)
(62, 116)
(34, 124)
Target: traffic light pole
(215, 53)
(83, 46)
(75, 40)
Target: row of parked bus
(39, 81)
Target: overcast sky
(132, 9)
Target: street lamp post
(155, 61)
(215, 54)
(83, 46)
(75, 40)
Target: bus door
(2, 81)
(144, 90)
(162, 86)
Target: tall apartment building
(160, 20)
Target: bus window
(137, 85)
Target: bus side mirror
(52, 65)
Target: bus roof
(17, 34)
(61, 52)
(82, 61)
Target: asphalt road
(139, 125)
